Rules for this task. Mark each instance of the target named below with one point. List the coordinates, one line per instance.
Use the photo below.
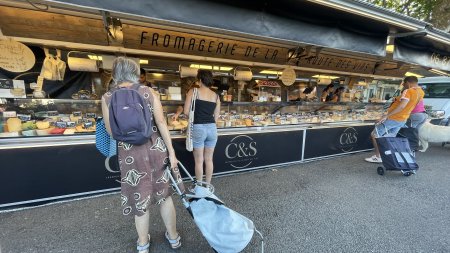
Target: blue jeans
(389, 128)
(417, 119)
(204, 135)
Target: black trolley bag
(412, 134)
(396, 155)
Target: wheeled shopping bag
(396, 154)
(225, 230)
(412, 134)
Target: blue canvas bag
(103, 141)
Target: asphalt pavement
(334, 205)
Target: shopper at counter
(142, 166)
(397, 114)
(206, 113)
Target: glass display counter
(50, 117)
(48, 145)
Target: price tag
(52, 113)
(61, 124)
(76, 114)
(6, 83)
(71, 124)
(87, 125)
(24, 117)
(9, 114)
(39, 83)
(91, 115)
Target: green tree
(436, 12)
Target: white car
(437, 96)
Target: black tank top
(204, 112)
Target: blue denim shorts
(389, 128)
(204, 135)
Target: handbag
(103, 141)
(190, 127)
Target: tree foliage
(436, 12)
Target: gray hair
(125, 70)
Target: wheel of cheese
(69, 131)
(42, 125)
(14, 124)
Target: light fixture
(157, 74)
(413, 74)
(326, 77)
(439, 72)
(271, 72)
(217, 68)
(390, 48)
(142, 61)
(94, 57)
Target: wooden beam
(18, 22)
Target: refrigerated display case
(57, 164)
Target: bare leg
(198, 157)
(375, 145)
(142, 226)
(209, 166)
(169, 217)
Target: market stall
(47, 143)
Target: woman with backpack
(206, 113)
(144, 180)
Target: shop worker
(142, 167)
(143, 79)
(397, 114)
(327, 93)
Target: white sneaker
(374, 159)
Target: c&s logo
(241, 151)
(348, 139)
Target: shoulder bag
(190, 127)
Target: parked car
(437, 96)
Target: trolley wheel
(381, 171)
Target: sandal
(175, 243)
(143, 248)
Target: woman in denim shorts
(207, 108)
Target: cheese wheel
(74, 118)
(14, 125)
(42, 125)
(184, 123)
(69, 131)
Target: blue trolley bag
(396, 154)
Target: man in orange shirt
(397, 114)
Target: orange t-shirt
(413, 95)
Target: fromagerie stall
(271, 68)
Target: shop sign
(15, 56)
(330, 62)
(340, 140)
(429, 59)
(160, 40)
(288, 76)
